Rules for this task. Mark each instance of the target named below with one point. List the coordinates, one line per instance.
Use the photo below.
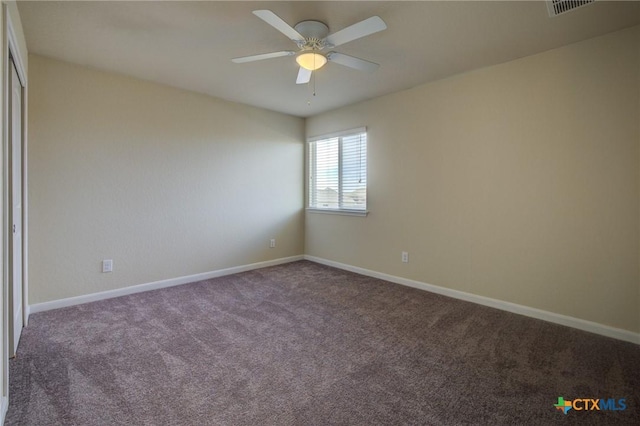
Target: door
(15, 201)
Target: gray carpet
(305, 344)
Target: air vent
(558, 7)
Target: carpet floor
(306, 344)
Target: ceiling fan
(312, 38)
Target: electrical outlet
(272, 242)
(405, 257)
(107, 265)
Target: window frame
(310, 166)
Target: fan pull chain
(313, 93)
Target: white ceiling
(190, 44)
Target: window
(338, 172)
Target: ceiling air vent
(558, 7)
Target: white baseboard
(580, 324)
(568, 321)
(109, 294)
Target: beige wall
(518, 182)
(165, 182)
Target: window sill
(343, 212)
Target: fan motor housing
(312, 29)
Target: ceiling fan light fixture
(311, 60)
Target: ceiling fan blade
(356, 31)
(352, 62)
(276, 22)
(263, 56)
(304, 75)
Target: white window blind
(338, 172)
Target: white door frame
(10, 48)
(14, 161)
